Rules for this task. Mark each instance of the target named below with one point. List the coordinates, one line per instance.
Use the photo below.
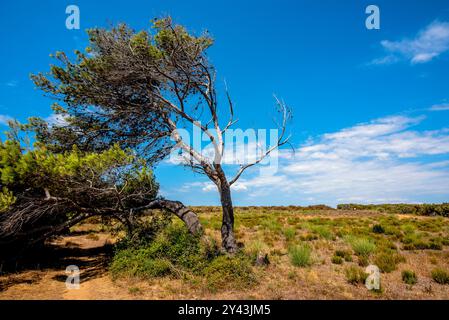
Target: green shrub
(289, 234)
(256, 248)
(345, 254)
(385, 244)
(409, 277)
(363, 261)
(272, 224)
(225, 272)
(134, 290)
(137, 263)
(355, 275)
(378, 229)
(388, 261)
(440, 276)
(173, 249)
(362, 247)
(337, 260)
(175, 252)
(414, 241)
(323, 232)
(408, 229)
(418, 209)
(435, 244)
(300, 255)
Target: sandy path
(49, 283)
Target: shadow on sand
(92, 262)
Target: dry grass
(272, 231)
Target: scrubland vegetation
(286, 253)
(419, 209)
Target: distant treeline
(211, 209)
(418, 209)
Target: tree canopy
(118, 90)
(44, 192)
(138, 89)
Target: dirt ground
(90, 249)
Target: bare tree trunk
(227, 227)
(177, 208)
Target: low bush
(418, 209)
(440, 276)
(414, 241)
(355, 275)
(289, 234)
(409, 277)
(300, 255)
(363, 261)
(175, 252)
(171, 249)
(337, 260)
(139, 263)
(323, 232)
(361, 246)
(256, 248)
(345, 254)
(388, 261)
(225, 272)
(378, 229)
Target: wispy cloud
(390, 59)
(384, 160)
(428, 44)
(440, 107)
(12, 83)
(4, 119)
(207, 186)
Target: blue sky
(371, 118)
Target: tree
(44, 193)
(139, 89)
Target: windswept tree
(43, 193)
(138, 89)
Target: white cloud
(440, 107)
(12, 83)
(4, 119)
(207, 186)
(384, 160)
(428, 44)
(56, 119)
(390, 59)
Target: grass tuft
(337, 260)
(355, 275)
(345, 254)
(362, 247)
(300, 255)
(440, 276)
(388, 261)
(409, 277)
